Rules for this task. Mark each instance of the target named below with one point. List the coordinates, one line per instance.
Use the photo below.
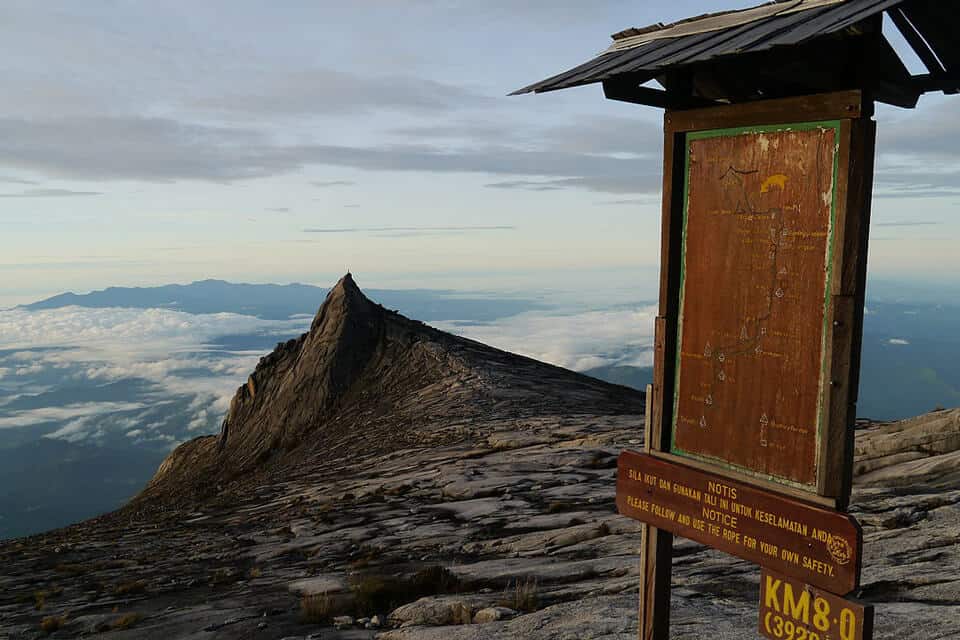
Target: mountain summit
(365, 378)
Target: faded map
(756, 248)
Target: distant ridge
(281, 301)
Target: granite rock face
(458, 493)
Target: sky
(144, 143)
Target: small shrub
(40, 597)
(434, 580)
(73, 569)
(524, 595)
(397, 490)
(557, 507)
(604, 529)
(130, 588)
(53, 623)
(223, 576)
(316, 608)
(380, 593)
(255, 572)
(126, 621)
(365, 555)
(600, 460)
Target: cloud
(334, 92)
(918, 156)
(582, 135)
(163, 150)
(67, 412)
(323, 184)
(92, 348)
(526, 185)
(138, 148)
(898, 341)
(576, 341)
(650, 184)
(408, 230)
(159, 331)
(278, 209)
(934, 134)
(628, 202)
(49, 193)
(906, 224)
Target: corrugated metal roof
(712, 22)
(783, 23)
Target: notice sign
(755, 284)
(791, 610)
(818, 546)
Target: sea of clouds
(57, 367)
(575, 340)
(157, 377)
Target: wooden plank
(828, 106)
(864, 138)
(655, 435)
(655, 569)
(836, 364)
(819, 546)
(656, 563)
(671, 222)
(788, 608)
(671, 242)
(845, 328)
(838, 419)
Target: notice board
(759, 219)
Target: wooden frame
(845, 312)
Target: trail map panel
(757, 247)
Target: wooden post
(656, 563)
(656, 551)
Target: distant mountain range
(279, 302)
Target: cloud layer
(74, 368)
(577, 341)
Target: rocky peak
(367, 377)
(297, 384)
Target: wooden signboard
(759, 216)
(766, 209)
(818, 546)
(791, 610)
